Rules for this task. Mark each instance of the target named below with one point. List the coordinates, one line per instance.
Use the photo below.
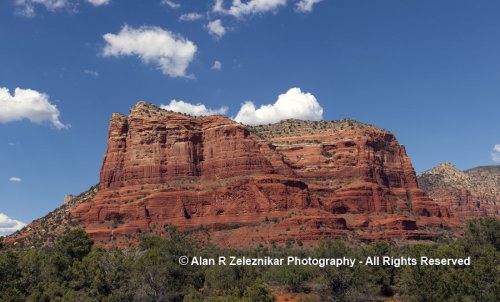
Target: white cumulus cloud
(170, 52)
(306, 6)
(193, 109)
(495, 155)
(190, 17)
(216, 29)
(240, 9)
(217, 65)
(170, 4)
(9, 225)
(15, 179)
(28, 104)
(292, 104)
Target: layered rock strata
(310, 179)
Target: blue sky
(429, 71)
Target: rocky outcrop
(468, 194)
(312, 179)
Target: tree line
(75, 269)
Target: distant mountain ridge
(470, 193)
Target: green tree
(11, 288)
(483, 231)
(339, 283)
(76, 244)
(292, 277)
(158, 272)
(259, 292)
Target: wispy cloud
(15, 179)
(28, 104)
(190, 17)
(170, 52)
(91, 72)
(241, 9)
(170, 4)
(27, 8)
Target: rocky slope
(468, 194)
(46, 230)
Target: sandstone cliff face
(311, 179)
(469, 194)
(352, 167)
(154, 146)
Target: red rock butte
(294, 180)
